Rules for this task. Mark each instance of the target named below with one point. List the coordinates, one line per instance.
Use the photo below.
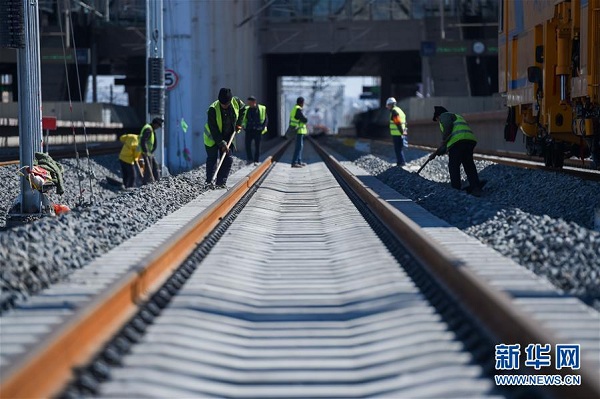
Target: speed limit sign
(171, 79)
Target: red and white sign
(171, 79)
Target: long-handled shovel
(423, 166)
(223, 157)
(139, 169)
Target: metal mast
(30, 103)
(155, 73)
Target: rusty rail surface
(491, 307)
(48, 367)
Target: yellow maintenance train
(549, 70)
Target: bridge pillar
(209, 45)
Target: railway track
(582, 170)
(306, 282)
(572, 167)
(61, 152)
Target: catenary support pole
(30, 103)
(155, 73)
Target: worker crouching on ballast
(128, 158)
(458, 139)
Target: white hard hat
(390, 101)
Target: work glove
(441, 150)
(223, 147)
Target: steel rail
(527, 162)
(583, 170)
(62, 153)
(49, 366)
(492, 308)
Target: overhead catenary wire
(80, 178)
(90, 170)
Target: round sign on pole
(171, 79)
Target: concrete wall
(422, 108)
(341, 36)
(208, 47)
(487, 126)
(485, 115)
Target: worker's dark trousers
(128, 174)
(213, 154)
(256, 136)
(461, 153)
(150, 165)
(298, 150)
(400, 143)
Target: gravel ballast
(35, 255)
(542, 220)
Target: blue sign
(427, 49)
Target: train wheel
(596, 154)
(530, 146)
(558, 155)
(554, 154)
(595, 145)
(547, 147)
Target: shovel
(214, 179)
(425, 164)
(139, 169)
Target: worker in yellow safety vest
(459, 141)
(255, 125)
(298, 122)
(398, 130)
(147, 139)
(224, 117)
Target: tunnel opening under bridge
(399, 74)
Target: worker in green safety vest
(147, 140)
(398, 130)
(298, 123)
(459, 141)
(224, 117)
(255, 125)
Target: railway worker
(255, 124)
(398, 130)
(148, 146)
(224, 118)
(458, 139)
(298, 121)
(130, 153)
